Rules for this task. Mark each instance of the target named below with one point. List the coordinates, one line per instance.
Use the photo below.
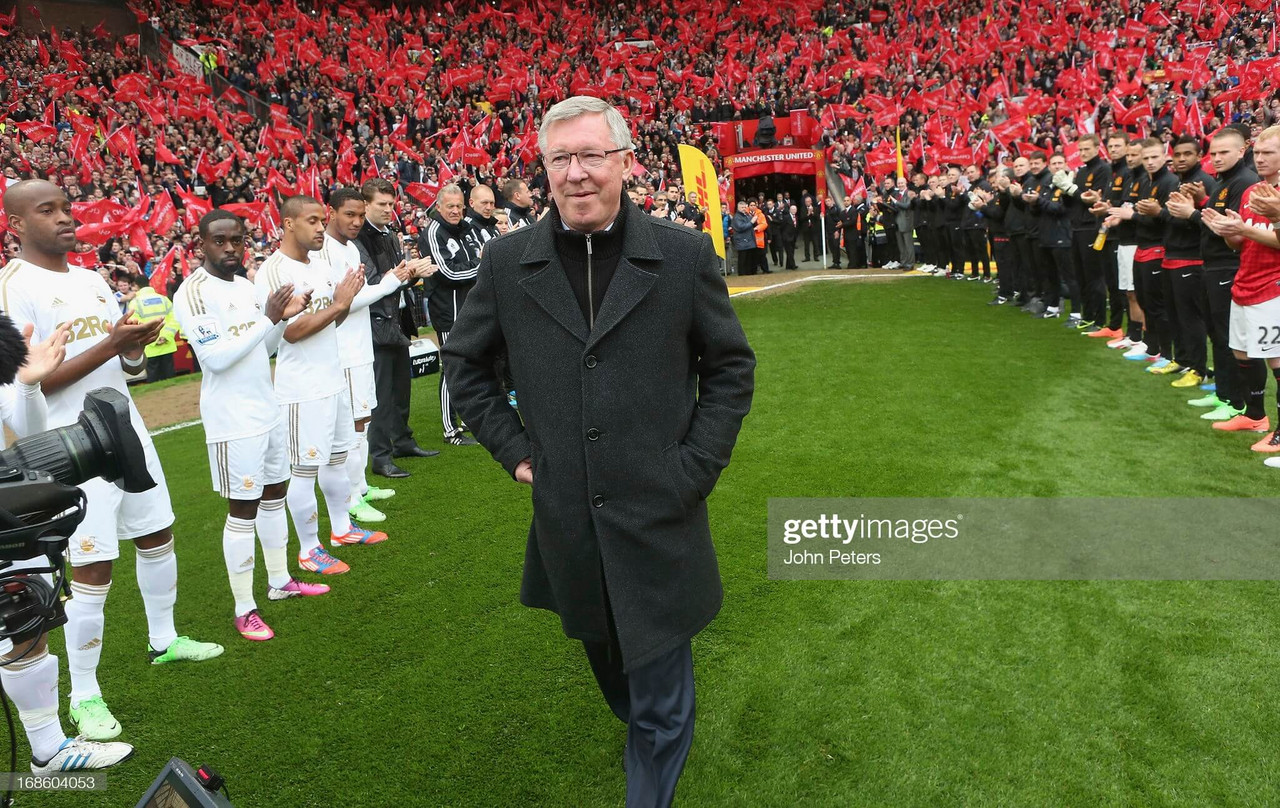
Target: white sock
(84, 638)
(158, 582)
(303, 508)
(335, 486)
(357, 459)
(273, 534)
(238, 553)
(32, 683)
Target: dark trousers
(977, 251)
(1217, 288)
(833, 249)
(1187, 316)
(1006, 255)
(448, 415)
(774, 245)
(1028, 258)
(1091, 277)
(812, 244)
(1049, 263)
(1148, 279)
(1119, 300)
(1062, 276)
(160, 367)
(389, 427)
(656, 702)
(789, 253)
(956, 247)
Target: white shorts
(1255, 330)
(364, 395)
(241, 467)
(1124, 259)
(317, 430)
(112, 516)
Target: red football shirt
(1258, 279)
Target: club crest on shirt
(1088, 180)
(1222, 195)
(453, 247)
(248, 483)
(312, 454)
(87, 544)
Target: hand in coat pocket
(687, 491)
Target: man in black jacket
(789, 230)
(834, 224)
(1226, 150)
(519, 203)
(1091, 178)
(634, 378)
(1055, 235)
(1149, 217)
(391, 320)
(973, 225)
(453, 245)
(1052, 243)
(1184, 270)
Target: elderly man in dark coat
(634, 377)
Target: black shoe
(999, 301)
(459, 439)
(836, 266)
(416, 451)
(389, 470)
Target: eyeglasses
(588, 158)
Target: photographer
(28, 671)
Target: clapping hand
(1195, 190)
(43, 357)
(1227, 224)
(1180, 205)
(348, 287)
(1264, 200)
(1148, 207)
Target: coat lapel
(630, 282)
(550, 289)
(548, 286)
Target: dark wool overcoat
(628, 425)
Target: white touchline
(822, 278)
(173, 427)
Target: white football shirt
(47, 299)
(309, 369)
(230, 334)
(355, 337)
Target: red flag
(164, 216)
(35, 131)
(163, 272)
(193, 208)
(164, 155)
(423, 192)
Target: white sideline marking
(173, 427)
(185, 424)
(818, 278)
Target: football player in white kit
(41, 289)
(355, 338)
(234, 337)
(310, 386)
(27, 669)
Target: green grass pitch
(421, 681)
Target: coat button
(593, 433)
(591, 360)
(598, 501)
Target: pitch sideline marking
(817, 278)
(185, 424)
(173, 427)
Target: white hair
(580, 105)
